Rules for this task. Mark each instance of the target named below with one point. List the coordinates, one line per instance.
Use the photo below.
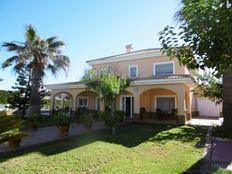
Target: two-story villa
(157, 83)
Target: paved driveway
(205, 121)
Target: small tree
(108, 85)
(4, 95)
(209, 86)
(204, 41)
(20, 97)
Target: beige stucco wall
(145, 66)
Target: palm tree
(38, 55)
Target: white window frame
(96, 99)
(163, 63)
(82, 97)
(164, 96)
(129, 69)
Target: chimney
(129, 48)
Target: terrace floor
(49, 134)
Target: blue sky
(90, 28)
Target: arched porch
(88, 100)
(145, 97)
(158, 103)
(62, 101)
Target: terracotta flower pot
(14, 143)
(64, 130)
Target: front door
(127, 104)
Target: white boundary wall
(207, 107)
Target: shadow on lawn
(183, 134)
(130, 135)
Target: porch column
(74, 102)
(181, 106)
(52, 101)
(102, 104)
(136, 105)
(62, 101)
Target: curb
(223, 139)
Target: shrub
(33, 120)
(8, 123)
(104, 116)
(95, 114)
(13, 134)
(119, 116)
(62, 119)
(2, 113)
(112, 121)
(86, 118)
(220, 131)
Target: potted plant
(33, 121)
(63, 123)
(13, 137)
(86, 118)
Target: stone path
(218, 152)
(49, 134)
(205, 121)
(222, 154)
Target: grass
(137, 148)
(221, 171)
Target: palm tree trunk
(227, 99)
(37, 75)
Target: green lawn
(221, 171)
(137, 148)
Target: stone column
(52, 102)
(102, 104)
(62, 96)
(136, 94)
(74, 102)
(180, 106)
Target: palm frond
(8, 62)
(18, 67)
(51, 39)
(61, 62)
(11, 46)
(56, 45)
(52, 68)
(31, 34)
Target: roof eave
(123, 57)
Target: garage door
(208, 108)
